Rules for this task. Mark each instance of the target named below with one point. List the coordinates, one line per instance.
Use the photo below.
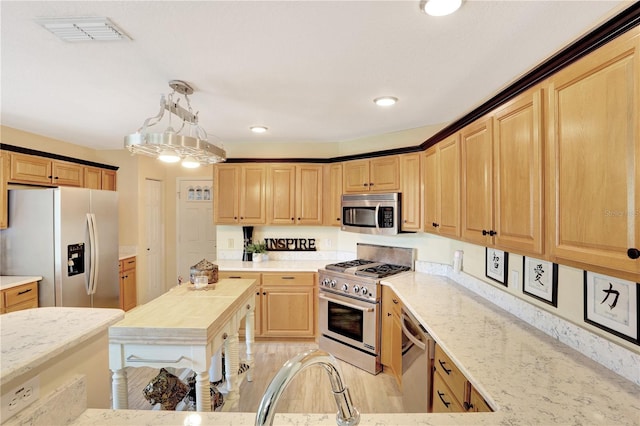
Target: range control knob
(325, 282)
(356, 289)
(345, 287)
(364, 291)
(333, 283)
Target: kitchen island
(527, 376)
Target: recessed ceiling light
(84, 29)
(258, 129)
(385, 101)
(440, 7)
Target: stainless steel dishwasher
(417, 361)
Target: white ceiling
(308, 70)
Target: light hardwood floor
(309, 392)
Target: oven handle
(410, 335)
(347, 304)
(377, 220)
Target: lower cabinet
(128, 293)
(391, 344)
(21, 297)
(452, 392)
(285, 303)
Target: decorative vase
(257, 257)
(247, 233)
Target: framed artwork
(612, 305)
(540, 280)
(496, 265)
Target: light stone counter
(31, 337)
(7, 282)
(528, 376)
(273, 265)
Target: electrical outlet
(20, 397)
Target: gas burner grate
(382, 270)
(342, 266)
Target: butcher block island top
(198, 314)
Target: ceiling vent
(84, 29)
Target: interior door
(196, 230)
(154, 212)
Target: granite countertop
(31, 337)
(526, 375)
(273, 265)
(7, 282)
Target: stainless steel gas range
(349, 293)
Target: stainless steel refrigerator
(69, 236)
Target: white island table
(183, 328)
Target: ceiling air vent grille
(84, 29)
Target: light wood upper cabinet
(477, 185)
(442, 187)
(239, 194)
(92, 178)
(332, 194)
(4, 206)
(376, 175)
(32, 169)
(518, 174)
(109, 179)
(294, 194)
(411, 189)
(593, 162)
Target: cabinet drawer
(450, 373)
(28, 304)
(21, 294)
(239, 275)
(443, 399)
(283, 278)
(128, 263)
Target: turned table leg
(231, 365)
(119, 389)
(203, 394)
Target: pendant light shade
(440, 7)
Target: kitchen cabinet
(97, 178)
(332, 195)
(391, 341)
(294, 194)
(444, 400)
(594, 160)
(477, 404)
(20, 297)
(502, 177)
(128, 291)
(411, 189)
(285, 303)
(32, 169)
(242, 275)
(4, 205)
(442, 188)
(240, 194)
(380, 174)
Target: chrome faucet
(347, 414)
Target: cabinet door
(443, 399)
(384, 174)
(226, 178)
(30, 169)
(252, 200)
(281, 187)
(67, 174)
(308, 195)
(128, 291)
(477, 194)
(518, 190)
(332, 198)
(287, 311)
(594, 158)
(109, 180)
(4, 175)
(411, 188)
(356, 176)
(92, 178)
(430, 178)
(449, 186)
(477, 404)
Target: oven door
(348, 320)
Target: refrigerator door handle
(93, 255)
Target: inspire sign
(290, 244)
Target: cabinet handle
(485, 232)
(338, 219)
(492, 233)
(435, 225)
(442, 363)
(467, 406)
(288, 278)
(370, 183)
(446, 404)
(257, 293)
(50, 177)
(264, 293)
(365, 184)
(24, 291)
(395, 301)
(292, 219)
(298, 218)
(633, 253)
(388, 314)
(235, 277)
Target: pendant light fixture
(188, 143)
(440, 7)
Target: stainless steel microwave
(371, 213)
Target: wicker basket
(206, 268)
